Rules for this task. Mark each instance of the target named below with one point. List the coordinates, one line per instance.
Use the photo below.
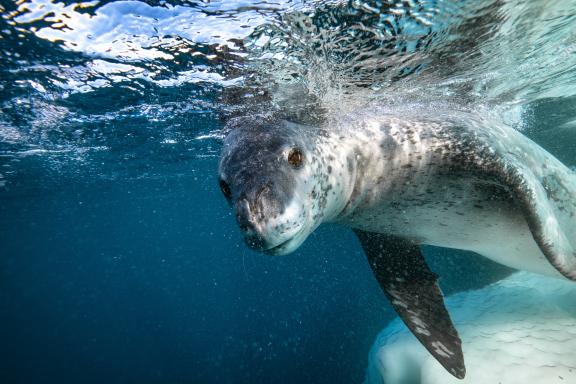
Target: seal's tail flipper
(547, 197)
(413, 291)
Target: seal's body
(439, 184)
(399, 182)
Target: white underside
(497, 231)
(520, 330)
(500, 235)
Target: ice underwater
(520, 330)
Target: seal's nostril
(262, 199)
(265, 188)
(244, 215)
(247, 224)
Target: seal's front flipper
(413, 291)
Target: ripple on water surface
(128, 82)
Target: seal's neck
(375, 158)
(336, 173)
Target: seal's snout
(249, 217)
(252, 207)
(258, 213)
(246, 215)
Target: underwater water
(121, 262)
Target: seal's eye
(295, 158)
(225, 188)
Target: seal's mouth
(287, 246)
(259, 244)
(278, 249)
(267, 242)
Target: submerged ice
(519, 330)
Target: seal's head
(269, 175)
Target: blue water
(120, 261)
(146, 281)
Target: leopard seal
(401, 180)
